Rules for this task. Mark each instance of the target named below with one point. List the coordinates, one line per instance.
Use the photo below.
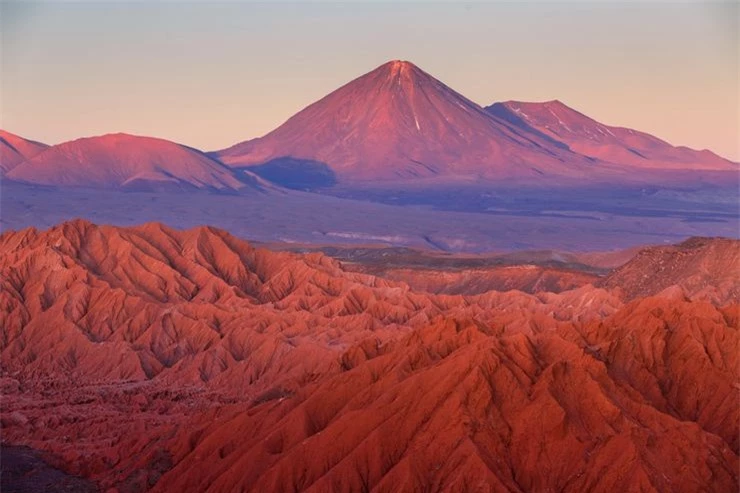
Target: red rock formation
(705, 268)
(527, 278)
(150, 358)
(459, 407)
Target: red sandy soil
(152, 358)
(14, 150)
(619, 145)
(122, 160)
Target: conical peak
(398, 66)
(399, 69)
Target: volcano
(14, 150)
(399, 122)
(607, 143)
(126, 161)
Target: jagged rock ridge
(192, 361)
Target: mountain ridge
(122, 160)
(398, 141)
(15, 149)
(396, 123)
(398, 115)
(618, 145)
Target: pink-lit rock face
(121, 160)
(398, 122)
(149, 358)
(617, 145)
(14, 150)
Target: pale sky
(210, 75)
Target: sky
(213, 74)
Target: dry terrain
(154, 359)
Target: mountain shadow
(297, 174)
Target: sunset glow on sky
(211, 75)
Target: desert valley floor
(464, 219)
(154, 359)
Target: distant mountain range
(129, 162)
(395, 123)
(618, 145)
(399, 122)
(14, 150)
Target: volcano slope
(398, 122)
(148, 358)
